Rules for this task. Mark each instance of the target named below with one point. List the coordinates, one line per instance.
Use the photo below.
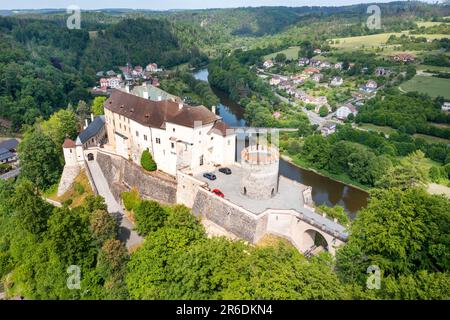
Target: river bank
(338, 178)
(326, 190)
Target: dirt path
(435, 188)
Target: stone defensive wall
(297, 227)
(300, 228)
(123, 175)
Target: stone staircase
(68, 176)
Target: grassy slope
(430, 85)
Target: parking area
(289, 194)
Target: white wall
(70, 156)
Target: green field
(431, 139)
(430, 85)
(433, 68)
(376, 40)
(291, 53)
(372, 127)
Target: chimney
(85, 123)
(92, 117)
(180, 105)
(145, 93)
(213, 109)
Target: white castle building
(177, 135)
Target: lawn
(376, 40)
(430, 85)
(77, 193)
(291, 53)
(372, 127)
(433, 68)
(431, 139)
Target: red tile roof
(155, 114)
(68, 144)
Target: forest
(44, 66)
(405, 233)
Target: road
(313, 117)
(126, 232)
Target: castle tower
(260, 165)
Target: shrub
(79, 188)
(150, 216)
(147, 161)
(131, 199)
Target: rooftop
(9, 144)
(93, 128)
(156, 113)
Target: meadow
(375, 40)
(430, 85)
(291, 53)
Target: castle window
(137, 134)
(145, 137)
(201, 160)
(158, 140)
(173, 129)
(173, 145)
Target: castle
(186, 142)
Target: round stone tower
(260, 165)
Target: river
(324, 190)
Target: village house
(177, 135)
(344, 111)
(110, 73)
(303, 61)
(338, 65)
(311, 70)
(299, 79)
(382, 72)
(315, 63)
(403, 57)
(325, 65)
(317, 51)
(446, 106)
(369, 87)
(274, 81)
(328, 128)
(151, 67)
(336, 81)
(268, 64)
(317, 77)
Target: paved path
(126, 233)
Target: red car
(217, 192)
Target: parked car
(210, 176)
(226, 171)
(218, 193)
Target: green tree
(323, 111)
(62, 124)
(149, 217)
(147, 161)
(103, 226)
(97, 106)
(280, 58)
(40, 159)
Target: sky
(170, 4)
